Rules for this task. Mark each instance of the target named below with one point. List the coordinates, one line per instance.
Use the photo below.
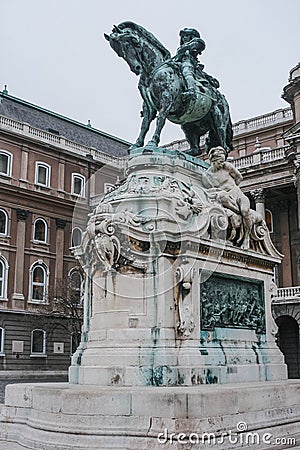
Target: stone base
(65, 416)
(230, 356)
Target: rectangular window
(77, 186)
(38, 342)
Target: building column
(60, 244)
(259, 197)
(282, 212)
(18, 295)
(296, 180)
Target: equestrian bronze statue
(176, 87)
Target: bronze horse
(163, 90)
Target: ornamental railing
(287, 294)
(263, 156)
(59, 141)
(275, 117)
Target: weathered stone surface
(89, 417)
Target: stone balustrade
(287, 294)
(279, 116)
(263, 156)
(275, 117)
(59, 141)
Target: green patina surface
(174, 88)
(228, 301)
(157, 151)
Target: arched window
(76, 236)
(1, 341)
(42, 174)
(5, 163)
(40, 232)
(288, 342)
(3, 278)
(3, 223)
(75, 286)
(269, 220)
(78, 185)
(38, 342)
(38, 283)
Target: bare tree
(65, 302)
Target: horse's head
(140, 49)
(127, 45)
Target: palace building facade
(46, 162)
(51, 166)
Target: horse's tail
(229, 134)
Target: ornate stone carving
(184, 278)
(258, 195)
(22, 214)
(60, 223)
(152, 199)
(222, 181)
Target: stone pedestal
(178, 335)
(175, 301)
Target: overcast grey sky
(53, 54)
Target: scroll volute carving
(184, 276)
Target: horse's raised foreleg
(166, 103)
(148, 114)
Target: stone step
(11, 446)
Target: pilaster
(18, 295)
(60, 243)
(61, 176)
(24, 164)
(282, 211)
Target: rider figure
(191, 45)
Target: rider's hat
(193, 33)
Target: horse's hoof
(134, 147)
(193, 152)
(151, 144)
